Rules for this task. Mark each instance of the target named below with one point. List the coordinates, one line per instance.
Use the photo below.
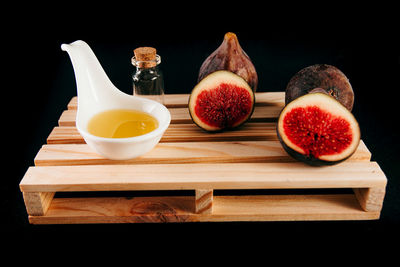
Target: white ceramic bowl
(126, 148)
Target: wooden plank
(181, 115)
(182, 133)
(181, 100)
(225, 208)
(180, 152)
(289, 208)
(200, 176)
(116, 210)
(65, 135)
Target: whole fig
(231, 57)
(324, 77)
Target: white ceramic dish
(96, 93)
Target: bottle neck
(146, 64)
(143, 69)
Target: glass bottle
(148, 79)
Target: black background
(362, 42)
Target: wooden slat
(181, 115)
(116, 210)
(225, 208)
(289, 208)
(180, 152)
(200, 176)
(182, 133)
(181, 100)
(65, 135)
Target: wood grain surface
(188, 158)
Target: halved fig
(318, 130)
(222, 100)
(323, 76)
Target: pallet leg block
(203, 201)
(370, 199)
(37, 203)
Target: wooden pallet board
(247, 160)
(181, 133)
(181, 115)
(179, 152)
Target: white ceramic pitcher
(96, 93)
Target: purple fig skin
(318, 90)
(322, 76)
(231, 57)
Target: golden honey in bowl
(121, 123)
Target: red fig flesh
(222, 100)
(317, 129)
(231, 57)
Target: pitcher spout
(93, 85)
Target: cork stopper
(145, 57)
